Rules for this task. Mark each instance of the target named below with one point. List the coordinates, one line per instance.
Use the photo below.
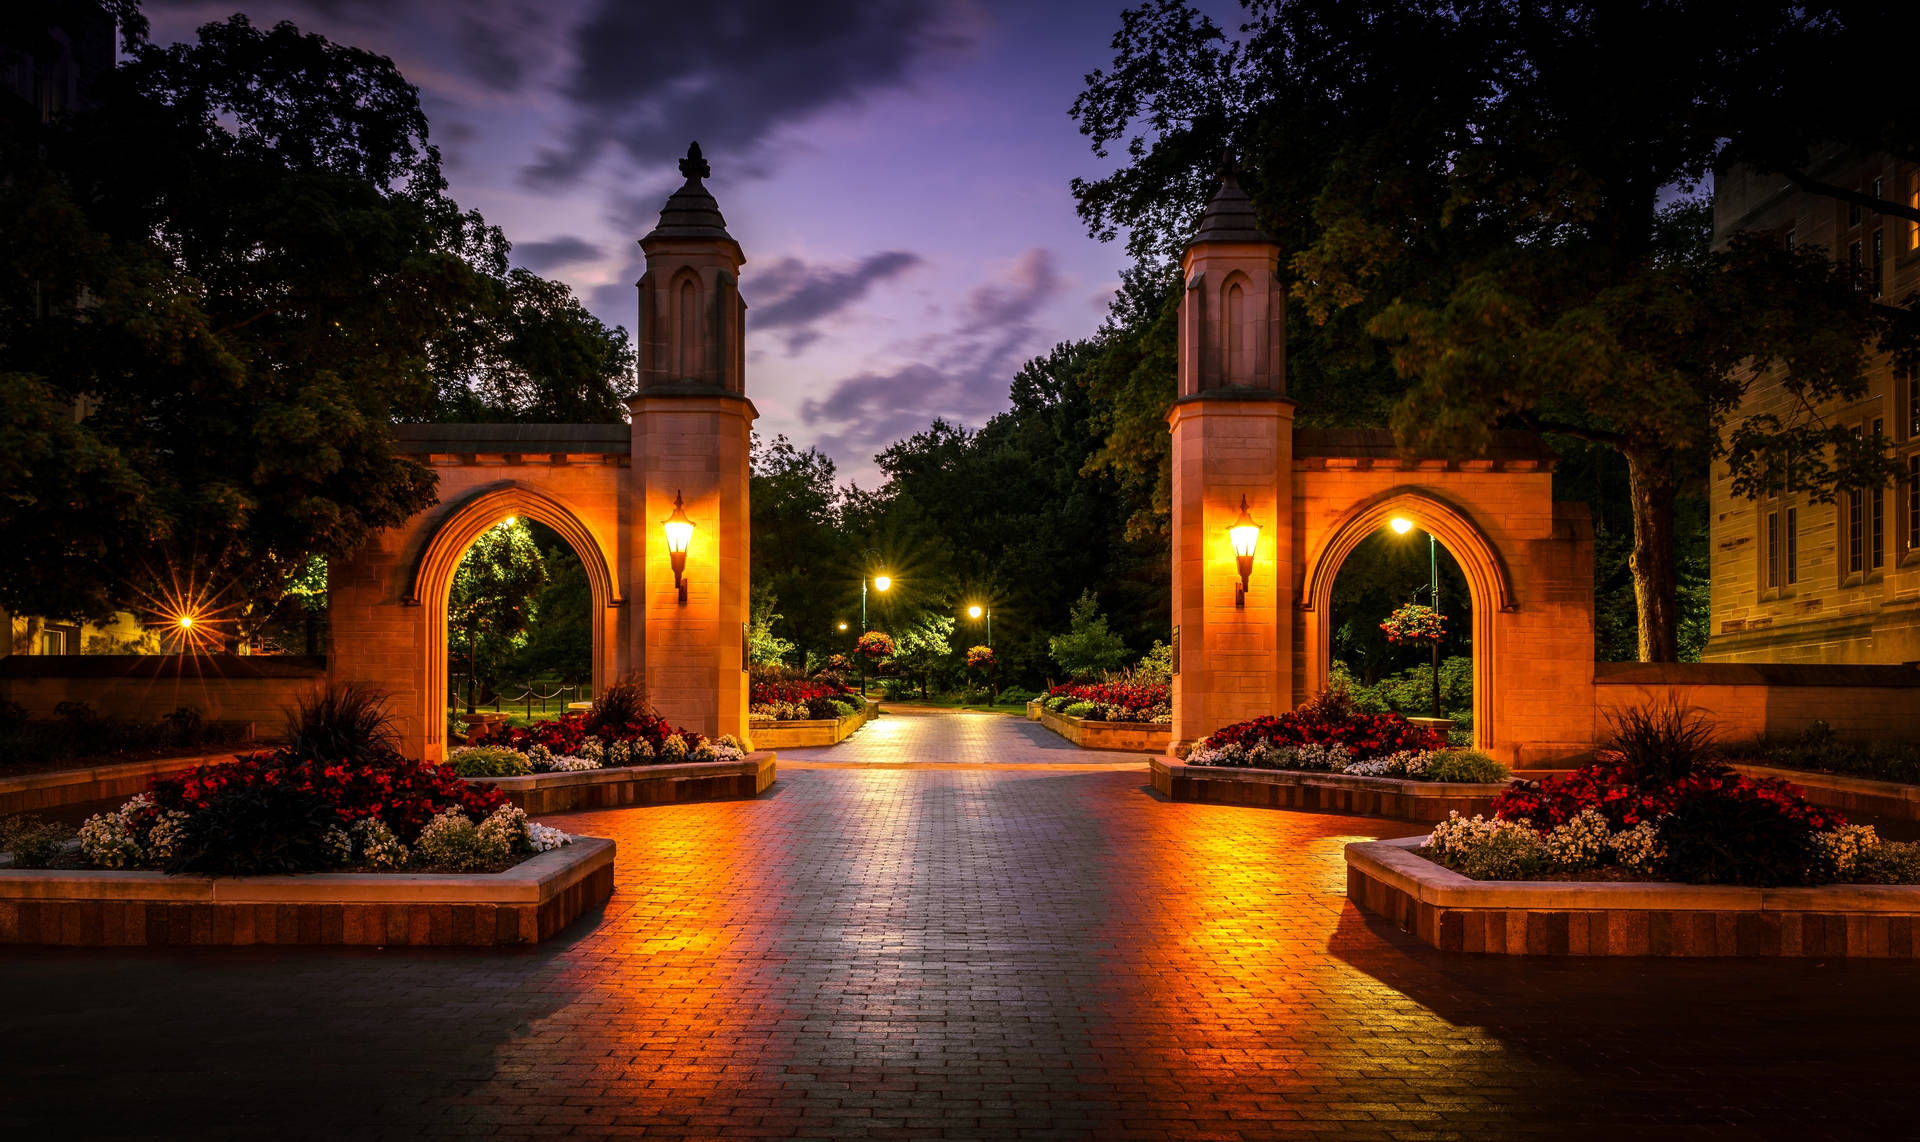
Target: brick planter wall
(1554, 918)
(527, 903)
(1129, 737)
(542, 793)
(1321, 792)
(33, 792)
(811, 732)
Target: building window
(1853, 213)
(1913, 408)
(1793, 546)
(1877, 510)
(1879, 262)
(1789, 239)
(1855, 264)
(1855, 549)
(1913, 200)
(1913, 502)
(1773, 551)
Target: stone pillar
(1232, 428)
(692, 426)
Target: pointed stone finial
(694, 166)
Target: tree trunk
(1651, 487)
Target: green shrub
(1084, 710)
(840, 709)
(1889, 862)
(451, 842)
(33, 842)
(1464, 765)
(1820, 750)
(1509, 854)
(490, 761)
(340, 723)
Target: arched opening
(440, 560)
(1393, 579)
(519, 625)
(1489, 588)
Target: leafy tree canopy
(1491, 214)
(1089, 647)
(238, 264)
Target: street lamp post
(880, 583)
(1401, 526)
(974, 612)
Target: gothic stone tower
(1232, 427)
(692, 425)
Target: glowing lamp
(186, 622)
(1245, 536)
(1401, 525)
(843, 626)
(881, 582)
(679, 535)
(973, 612)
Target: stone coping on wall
(1847, 793)
(529, 902)
(1754, 674)
(208, 666)
(1125, 737)
(809, 732)
(29, 792)
(1422, 801)
(1579, 918)
(540, 793)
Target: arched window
(1238, 336)
(688, 345)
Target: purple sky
(897, 173)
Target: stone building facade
(1794, 580)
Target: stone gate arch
(1261, 644)
(446, 545)
(1488, 583)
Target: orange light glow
(1401, 525)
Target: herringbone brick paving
(954, 953)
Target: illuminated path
(954, 737)
(953, 952)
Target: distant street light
(880, 583)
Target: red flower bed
(801, 692)
(1134, 698)
(405, 794)
(1625, 798)
(1331, 720)
(564, 735)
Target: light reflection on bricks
(954, 953)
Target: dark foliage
(1664, 741)
(256, 828)
(1819, 749)
(621, 704)
(83, 734)
(1731, 835)
(347, 723)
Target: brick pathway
(954, 953)
(928, 737)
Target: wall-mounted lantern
(679, 535)
(1245, 535)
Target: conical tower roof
(1229, 217)
(691, 211)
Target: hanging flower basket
(874, 646)
(1413, 623)
(980, 658)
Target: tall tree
(233, 268)
(490, 604)
(1505, 196)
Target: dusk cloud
(963, 374)
(565, 250)
(791, 294)
(646, 78)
